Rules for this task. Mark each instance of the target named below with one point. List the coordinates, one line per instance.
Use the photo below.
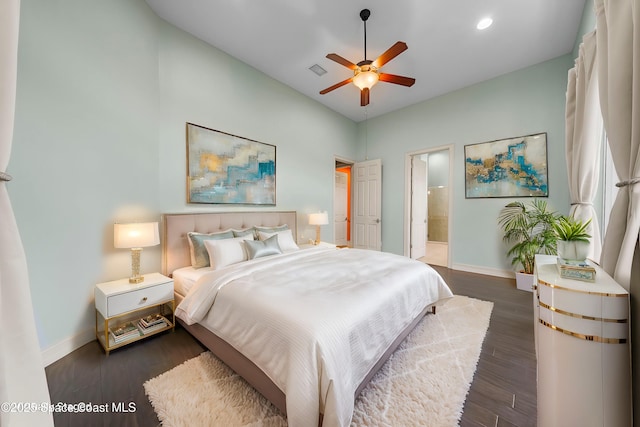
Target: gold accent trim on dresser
(602, 294)
(593, 338)
(580, 316)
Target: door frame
(407, 196)
(350, 163)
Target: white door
(418, 207)
(340, 209)
(367, 201)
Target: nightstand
(127, 312)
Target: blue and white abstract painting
(514, 167)
(228, 169)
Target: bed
(306, 327)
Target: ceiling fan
(366, 73)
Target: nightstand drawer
(134, 300)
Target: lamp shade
(320, 218)
(366, 79)
(136, 235)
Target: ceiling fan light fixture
(366, 72)
(365, 79)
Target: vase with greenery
(529, 229)
(573, 238)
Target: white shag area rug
(424, 383)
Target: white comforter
(315, 321)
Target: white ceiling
(283, 38)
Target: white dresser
(582, 345)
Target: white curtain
(583, 136)
(618, 40)
(22, 376)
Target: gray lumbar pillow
(260, 248)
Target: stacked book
(578, 270)
(124, 332)
(152, 323)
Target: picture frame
(511, 167)
(228, 169)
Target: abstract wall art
(513, 167)
(229, 169)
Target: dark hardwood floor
(503, 392)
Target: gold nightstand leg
(106, 336)
(173, 315)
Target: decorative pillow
(285, 239)
(199, 255)
(226, 251)
(246, 232)
(270, 229)
(260, 248)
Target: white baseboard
(66, 346)
(484, 270)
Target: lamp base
(135, 266)
(317, 241)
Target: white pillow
(227, 251)
(285, 239)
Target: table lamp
(318, 219)
(136, 236)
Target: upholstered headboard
(175, 247)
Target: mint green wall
(85, 149)
(524, 102)
(587, 24)
(210, 88)
(104, 91)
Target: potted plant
(529, 229)
(573, 239)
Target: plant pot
(573, 250)
(524, 281)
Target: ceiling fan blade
(364, 97)
(340, 60)
(399, 80)
(391, 53)
(336, 86)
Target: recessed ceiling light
(484, 23)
